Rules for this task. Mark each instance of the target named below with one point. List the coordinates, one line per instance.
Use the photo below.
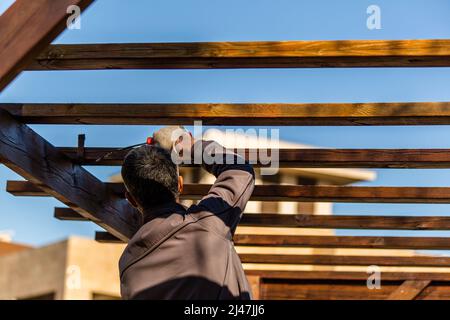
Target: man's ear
(130, 199)
(180, 184)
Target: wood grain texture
(255, 286)
(296, 193)
(106, 237)
(290, 289)
(409, 290)
(294, 114)
(385, 222)
(27, 28)
(346, 275)
(35, 159)
(319, 221)
(303, 158)
(372, 242)
(217, 55)
(323, 289)
(68, 214)
(417, 243)
(339, 260)
(436, 290)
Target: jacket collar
(163, 209)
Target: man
(179, 252)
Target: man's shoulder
(151, 235)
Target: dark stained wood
(311, 114)
(35, 159)
(348, 221)
(306, 158)
(28, 189)
(321, 221)
(345, 194)
(212, 55)
(25, 189)
(106, 237)
(417, 243)
(291, 193)
(27, 28)
(290, 289)
(409, 290)
(373, 242)
(68, 214)
(436, 290)
(343, 290)
(347, 275)
(338, 260)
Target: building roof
(233, 139)
(9, 247)
(335, 176)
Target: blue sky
(236, 20)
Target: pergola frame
(59, 172)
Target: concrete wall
(73, 269)
(92, 268)
(33, 272)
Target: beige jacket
(188, 253)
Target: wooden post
(255, 286)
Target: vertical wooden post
(255, 286)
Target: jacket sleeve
(235, 181)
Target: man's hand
(168, 137)
(174, 139)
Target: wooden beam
(29, 189)
(372, 242)
(346, 275)
(35, 159)
(333, 260)
(306, 158)
(348, 221)
(106, 237)
(255, 286)
(296, 193)
(291, 289)
(68, 214)
(417, 243)
(27, 28)
(338, 260)
(409, 290)
(311, 114)
(217, 55)
(320, 221)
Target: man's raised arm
(235, 181)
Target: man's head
(150, 176)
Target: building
(72, 269)
(7, 247)
(293, 176)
